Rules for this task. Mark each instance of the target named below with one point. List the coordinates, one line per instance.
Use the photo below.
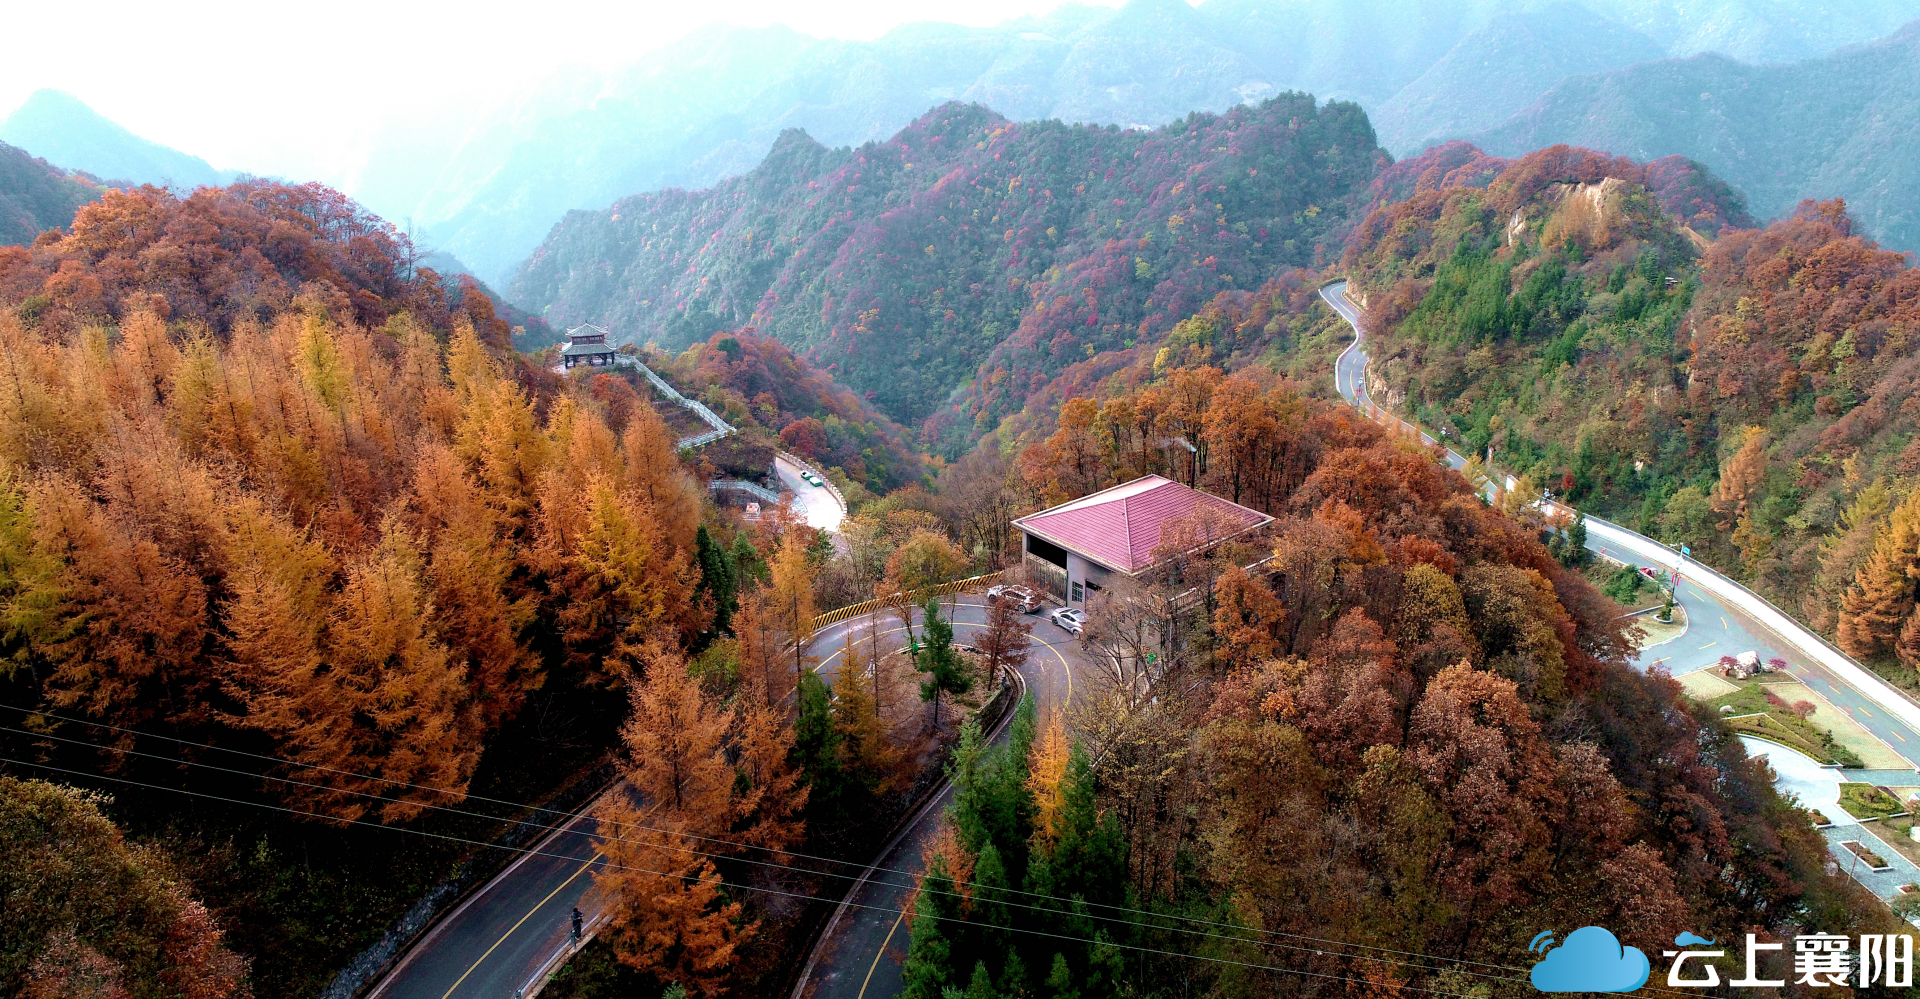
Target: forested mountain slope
(1747, 398)
(1840, 125)
(967, 242)
(488, 187)
(36, 195)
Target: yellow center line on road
(1709, 645)
(878, 954)
(1723, 622)
(1895, 735)
(1864, 712)
(516, 926)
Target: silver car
(1072, 620)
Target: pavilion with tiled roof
(587, 345)
(1115, 531)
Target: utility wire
(770, 891)
(1240, 934)
(1322, 942)
(1145, 915)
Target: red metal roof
(1120, 527)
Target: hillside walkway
(721, 428)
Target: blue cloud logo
(1591, 960)
(1689, 939)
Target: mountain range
(62, 129)
(488, 187)
(1842, 124)
(487, 184)
(967, 239)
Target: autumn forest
(325, 588)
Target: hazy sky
(297, 89)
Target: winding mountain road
(509, 933)
(859, 955)
(1724, 617)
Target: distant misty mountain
(490, 186)
(1845, 124)
(1502, 67)
(36, 196)
(65, 131)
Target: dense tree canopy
(1745, 397)
(1408, 728)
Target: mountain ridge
(708, 107)
(902, 265)
(1842, 125)
(62, 129)
(36, 195)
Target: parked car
(1023, 599)
(1072, 620)
(812, 479)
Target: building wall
(1080, 572)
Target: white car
(1023, 599)
(811, 479)
(1072, 620)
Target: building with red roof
(1081, 543)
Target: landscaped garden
(1864, 801)
(1759, 712)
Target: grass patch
(1756, 711)
(1864, 801)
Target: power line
(769, 891)
(1241, 934)
(1143, 920)
(1323, 942)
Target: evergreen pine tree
(716, 583)
(930, 952)
(1060, 980)
(991, 914)
(981, 986)
(946, 673)
(1013, 976)
(1577, 542)
(748, 566)
(816, 743)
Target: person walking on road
(576, 924)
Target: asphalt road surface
(498, 940)
(861, 956)
(1716, 625)
(822, 509)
